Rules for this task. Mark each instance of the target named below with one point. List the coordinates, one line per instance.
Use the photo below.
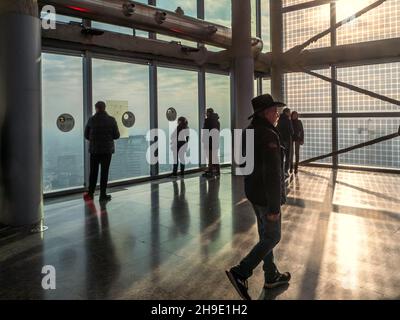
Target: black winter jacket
(285, 129)
(101, 131)
(265, 185)
(298, 130)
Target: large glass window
(308, 94)
(265, 26)
(301, 25)
(317, 139)
(358, 130)
(380, 78)
(266, 86)
(125, 88)
(218, 12)
(287, 3)
(178, 89)
(218, 97)
(62, 151)
(381, 22)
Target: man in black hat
(264, 188)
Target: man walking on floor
(265, 190)
(101, 131)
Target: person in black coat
(101, 131)
(298, 140)
(285, 129)
(179, 145)
(212, 123)
(265, 190)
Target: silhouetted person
(298, 140)
(264, 188)
(101, 131)
(285, 129)
(179, 140)
(212, 123)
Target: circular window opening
(65, 122)
(171, 114)
(128, 119)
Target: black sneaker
(280, 280)
(239, 284)
(105, 198)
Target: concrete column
(276, 23)
(243, 65)
(20, 105)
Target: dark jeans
(213, 167)
(296, 155)
(270, 235)
(178, 159)
(288, 155)
(96, 160)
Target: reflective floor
(173, 239)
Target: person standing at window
(101, 131)
(298, 139)
(212, 123)
(179, 140)
(285, 129)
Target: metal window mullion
(87, 109)
(153, 95)
(200, 9)
(152, 35)
(334, 93)
(258, 19)
(202, 107)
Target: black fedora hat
(263, 102)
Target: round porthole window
(128, 119)
(171, 114)
(65, 122)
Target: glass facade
(265, 26)
(125, 88)
(63, 152)
(380, 23)
(358, 130)
(301, 25)
(308, 94)
(314, 98)
(287, 3)
(178, 89)
(266, 86)
(380, 78)
(218, 97)
(317, 139)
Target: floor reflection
(173, 239)
(102, 264)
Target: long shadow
(316, 250)
(383, 196)
(102, 265)
(210, 213)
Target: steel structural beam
(149, 18)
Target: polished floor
(173, 239)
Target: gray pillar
(276, 23)
(243, 64)
(20, 105)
